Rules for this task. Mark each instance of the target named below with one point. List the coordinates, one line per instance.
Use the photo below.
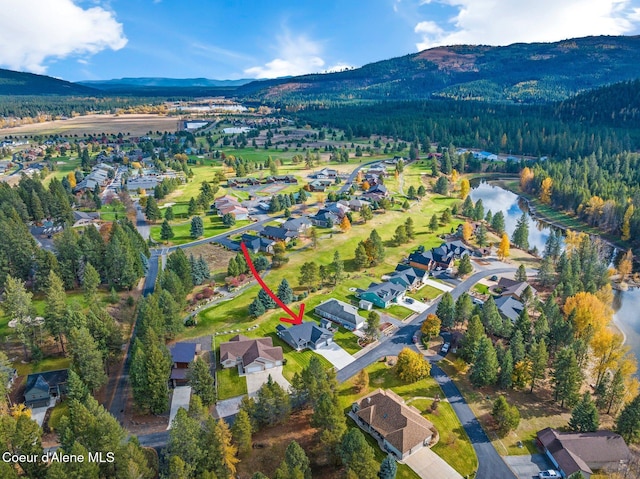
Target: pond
(626, 303)
(496, 199)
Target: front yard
(230, 384)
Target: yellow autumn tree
(626, 228)
(467, 231)
(464, 188)
(572, 241)
(431, 326)
(594, 209)
(365, 186)
(345, 224)
(454, 176)
(72, 179)
(503, 249)
(526, 177)
(607, 350)
(626, 265)
(590, 315)
(545, 190)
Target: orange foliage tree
(590, 315)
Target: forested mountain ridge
(21, 83)
(519, 73)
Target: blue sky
(230, 39)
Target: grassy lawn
(110, 213)
(427, 291)
(64, 169)
(454, 445)
(233, 314)
(61, 409)
(481, 288)
(230, 384)
(182, 230)
(347, 340)
(398, 311)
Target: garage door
(253, 369)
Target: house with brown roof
(513, 288)
(398, 428)
(586, 452)
(250, 355)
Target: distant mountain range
(518, 73)
(20, 83)
(123, 83)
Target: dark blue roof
(183, 352)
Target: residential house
(338, 209)
(42, 387)
(382, 294)
(485, 156)
(408, 277)
(400, 428)
(421, 259)
(238, 212)
(340, 312)
(320, 185)
(242, 182)
(324, 219)
(143, 183)
(510, 287)
(509, 307)
(276, 233)
(326, 173)
(257, 244)
(584, 452)
(355, 204)
(287, 179)
(225, 200)
(378, 189)
(299, 225)
(305, 335)
(181, 355)
(82, 218)
(250, 355)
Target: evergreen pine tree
(520, 236)
(285, 293)
(266, 300)
(584, 417)
(388, 468)
(484, 370)
(197, 227)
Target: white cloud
(32, 31)
(501, 22)
(296, 55)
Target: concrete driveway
(228, 407)
(529, 465)
(256, 380)
(336, 355)
(427, 464)
(38, 413)
(180, 399)
(414, 305)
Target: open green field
(427, 291)
(111, 213)
(454, 445)
(230, 384)
(234, 314)
(70, 164)
(182, 230)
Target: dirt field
(216, 256)
(135, 124)
(270, 445)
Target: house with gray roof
(42, 387)
(250, 355)
(409, 277)
(305, 335)
(181, 355)
(584, 452)
(299, 225)
(509, 307)
(341, 313)
(257, 244)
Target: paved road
(490, 464)
(141, 223)
(347, 184)
(392, 345)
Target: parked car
(415, 338)
(408, 300)
(550, 473)
(445, 348)
(494, 278)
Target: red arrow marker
(294, 318)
